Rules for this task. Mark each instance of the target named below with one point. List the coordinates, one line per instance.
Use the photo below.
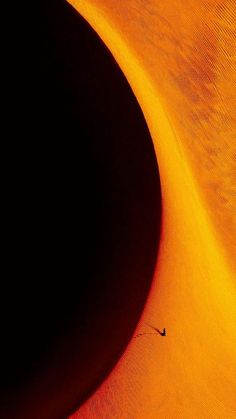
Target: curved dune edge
(192, 371)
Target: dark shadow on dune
(84, 218)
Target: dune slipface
(82, 214)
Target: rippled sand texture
(180, 60)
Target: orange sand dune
(180, 60)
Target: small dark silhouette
(163, 333)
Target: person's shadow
(163, 333)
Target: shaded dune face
(84, 220)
